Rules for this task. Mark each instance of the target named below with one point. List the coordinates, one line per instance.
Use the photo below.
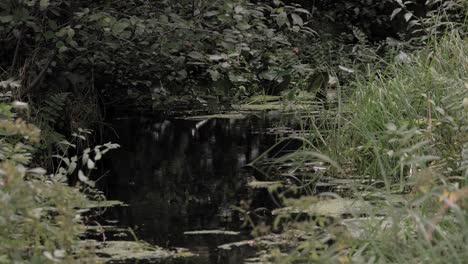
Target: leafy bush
(165, 51)
(40, 214)
(134, 48)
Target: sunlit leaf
(90, 163)
(408, 16)
(395, 12)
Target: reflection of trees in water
(176, 179)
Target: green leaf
(238, 9)
(408, 16)
(119, 27)
(269, 75)
(59, 44)
(62, 32)
(52, 24)
(84, 179)
(302, 10)
(215, 57)
(210, 13)
(243, 25)
(71, 32)
(395, 12)
(6, 19)
(43, 4)
(90, 163)
(163, 19)
(196, 55)
(183, 74)
(214, 75)
(49, 35)
(282, 19)
(63, 49)
(297, 20)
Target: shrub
(40, 214)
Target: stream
(179, 175)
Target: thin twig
(15, 57)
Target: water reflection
(180, 175)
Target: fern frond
(52, 111)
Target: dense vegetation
(400, 68)
(404, 133)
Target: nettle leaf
(281, 19)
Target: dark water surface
(180, 175)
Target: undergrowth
(40, 213)
(409, 129)
(404, 130)
(408, 116)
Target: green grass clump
(405, 127)
(409, 128)
(408, 116)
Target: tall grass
(409, 116)
(405, 127)
(409, 127)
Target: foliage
(224, 43)
(40, 214)
(71, 60)
(406, 128)
(423, 145)
(166, 52)
(409, 103)
(173, 46)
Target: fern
(49, 115)
(52, 111)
